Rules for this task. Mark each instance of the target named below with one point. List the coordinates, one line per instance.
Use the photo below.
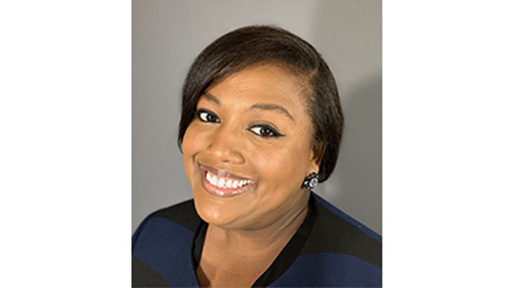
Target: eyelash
(206, 114)
(269, 130)
(264, 131)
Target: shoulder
(179, 219)
(336, 232)
(340, 251)
(161, 247)
(183, 213)
(331, 215)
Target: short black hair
(253, 45)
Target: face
(248, 149)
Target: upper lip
(222, 173)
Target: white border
(66, 137)
(447, 143)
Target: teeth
(223, 183)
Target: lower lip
(223, 192)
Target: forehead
(266, 83)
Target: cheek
(191, 141)
(190, 146)
(187, 146)
(283, 166)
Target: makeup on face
(248, 149)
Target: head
(256, 76)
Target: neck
(272, 237)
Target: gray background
(168, 35)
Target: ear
(317, 153)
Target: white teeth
(223, 183)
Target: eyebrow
(211, 98)
(260, 106)
(272, 107)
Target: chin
(213, 213)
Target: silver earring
(311, 181)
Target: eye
(265, 131)
(207, 116)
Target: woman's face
(248, 149)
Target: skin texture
(231, 133)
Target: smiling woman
(261, 125)
(245, 139)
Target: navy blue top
(330, 249)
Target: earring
(311, 181)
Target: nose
(226, 145)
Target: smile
(221, 183)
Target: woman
(261, 126)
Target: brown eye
(207, 116)
(265, 131)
